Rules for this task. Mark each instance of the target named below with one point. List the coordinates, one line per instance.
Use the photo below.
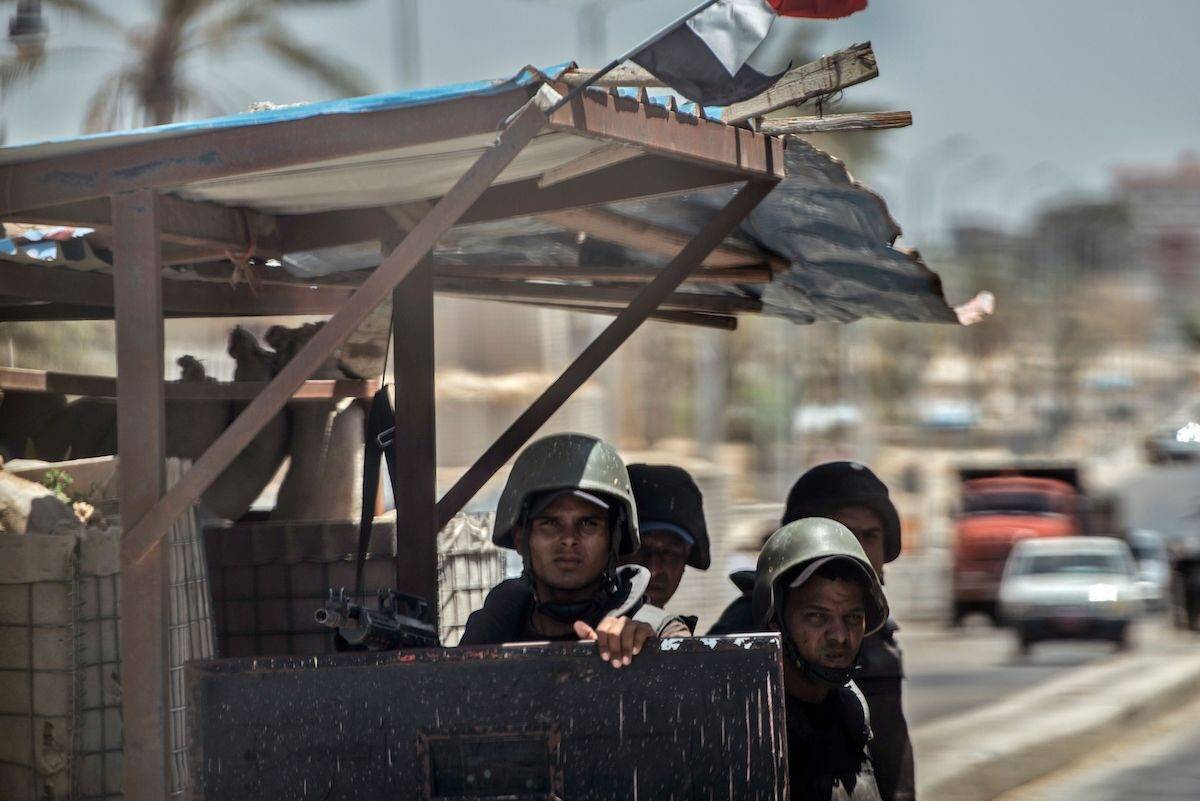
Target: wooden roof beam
(22, 380)
(91, 293)
(625, 75)
(190, 223)
(615, 296)
(727, 276)
(722, 322)
(622, 230)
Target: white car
(1070, 588)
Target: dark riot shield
(689, 719)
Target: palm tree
(155, 84)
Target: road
(951, 671)
(1160, 762)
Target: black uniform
(507, 612)
(880, 679)
(827, 749)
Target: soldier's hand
(619, 639)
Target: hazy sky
(1015, 103)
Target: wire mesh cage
(60, 657)
(269, 578)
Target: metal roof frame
(130, 187)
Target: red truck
(999, 507)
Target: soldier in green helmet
(815, 585)
(568, 510)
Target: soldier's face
(665, 556)
(569, 542)
(826, 620)
(868, 528)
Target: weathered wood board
(689, 719)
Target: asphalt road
(1160, 762)
(951, 671)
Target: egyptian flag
(735, 49)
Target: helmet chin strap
(831, 678)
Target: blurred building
(1163, 206)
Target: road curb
(987, 752)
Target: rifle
(399, 622)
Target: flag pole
(612, 65)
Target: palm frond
(339, 75)
(17, 69)
(223, 31)
(87, 10)
(101, 111)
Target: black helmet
(668, 495)
(834, 485)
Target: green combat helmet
(796, 551)
(564, 462)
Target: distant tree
(155, 84)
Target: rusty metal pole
(141, 437)
(414, 486)
(521, 130)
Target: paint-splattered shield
(691, 718)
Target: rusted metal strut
(420, 241)
(611, 338)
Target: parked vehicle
(1070, 588)
(1173, 444)
(1153, 567)
(999, 508)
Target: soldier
(816, 587)
(568, 509)
(670, 511)
(851, 494)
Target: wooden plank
(644, 236)
(96, 386)
(182, 222)
(723, 322)
(720, 276)
(595, 354)
(625, 75)
(598, 159)
(593, 295)
(524, 127)
(180, 297)
(830, 123)
(141, 443)
(827, 75)
(414, 486)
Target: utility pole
(408, 43)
